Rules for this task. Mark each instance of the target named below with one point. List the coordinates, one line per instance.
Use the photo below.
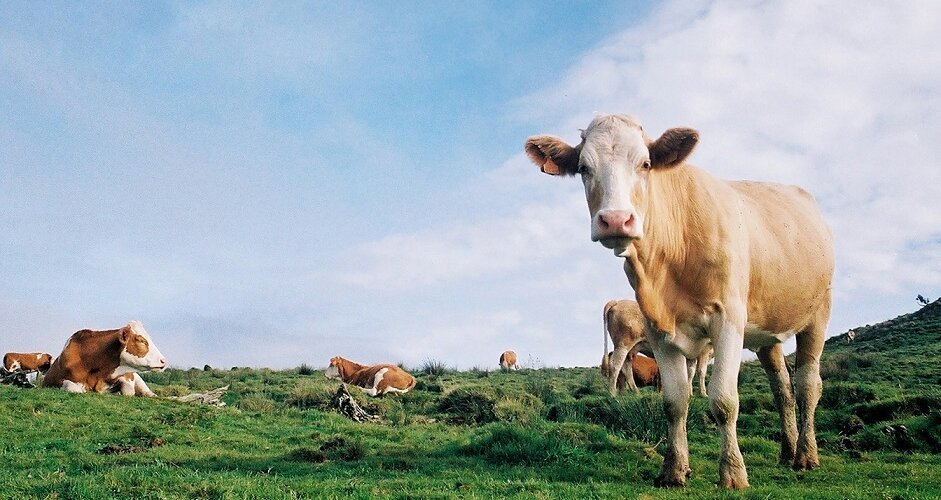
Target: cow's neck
(348, 368)
(661, 261)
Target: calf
(374, 380)
(508, 361)
(106, 361)
(27, 362)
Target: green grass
(546, 433)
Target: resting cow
(374, 380)
(624, 323)
(508, 361)
(106, 361)
(643, 368)
(731, 264)
(27, 361)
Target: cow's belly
(756, 338)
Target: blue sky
(280, 183)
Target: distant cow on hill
(712, 262)
(27, 361)
(508, 361)
(106, 361)
(374, 380)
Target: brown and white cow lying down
(27, 361)
(508, 361)
(731, 264)
(624, 323)
(643, 368)
(374, 380)
(106, 361)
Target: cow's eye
(646, 163)
(582, 169)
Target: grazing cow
(106, 361)
(27, 362)
(374, 380)
(731, 264)
(508, 361)
(696, 368)
(624, 323)
(643, 368)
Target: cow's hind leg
(808, 387)
(772, 360)
(618, 358)
(672, 365)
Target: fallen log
(344, 403)
(16, 378)
(212, 398)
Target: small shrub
(344, 448)
(521, 409)
(307, 395)
(468, 406)
(542, 388)
(307, 455)
(305, 369)
(422, 385)
(841, 395)
(255, 403)
(433, 368)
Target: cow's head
(138, 352)
(333, 371)
(45, 362)
(614, 161)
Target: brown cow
(731, 264)
(27, 361)
(624, 323)
(106, 361)
(508, 361)
(374, 380)
(643, 368)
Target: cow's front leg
(141, 388)
(672, 364)
(727, 338)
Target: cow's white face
(138, 350)
(332, 372)
(614, 161)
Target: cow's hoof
(675, 478)
(806, 462)
(786, 458)
(734, 483)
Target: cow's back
(625, 321)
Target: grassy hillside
(533, 433)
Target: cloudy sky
(271, 184)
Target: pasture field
(543, 433)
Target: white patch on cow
(15, 365)
(141, 388)
(374, 391)
(332, 372)
(38, 357)
(152, 360)
(756, 338)
(74, 387)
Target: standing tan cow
(508, 361)
(374, 380)
(696, 368)
(624, 323)
(731, 264)
(106, 361)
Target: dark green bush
(505, 444)
(840, 395)
(468, 406)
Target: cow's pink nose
(163, 361)
(615, 224)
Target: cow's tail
(604, 333)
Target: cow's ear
(552, 155)
(673, 147)
(125, 335)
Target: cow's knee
(724, 408)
